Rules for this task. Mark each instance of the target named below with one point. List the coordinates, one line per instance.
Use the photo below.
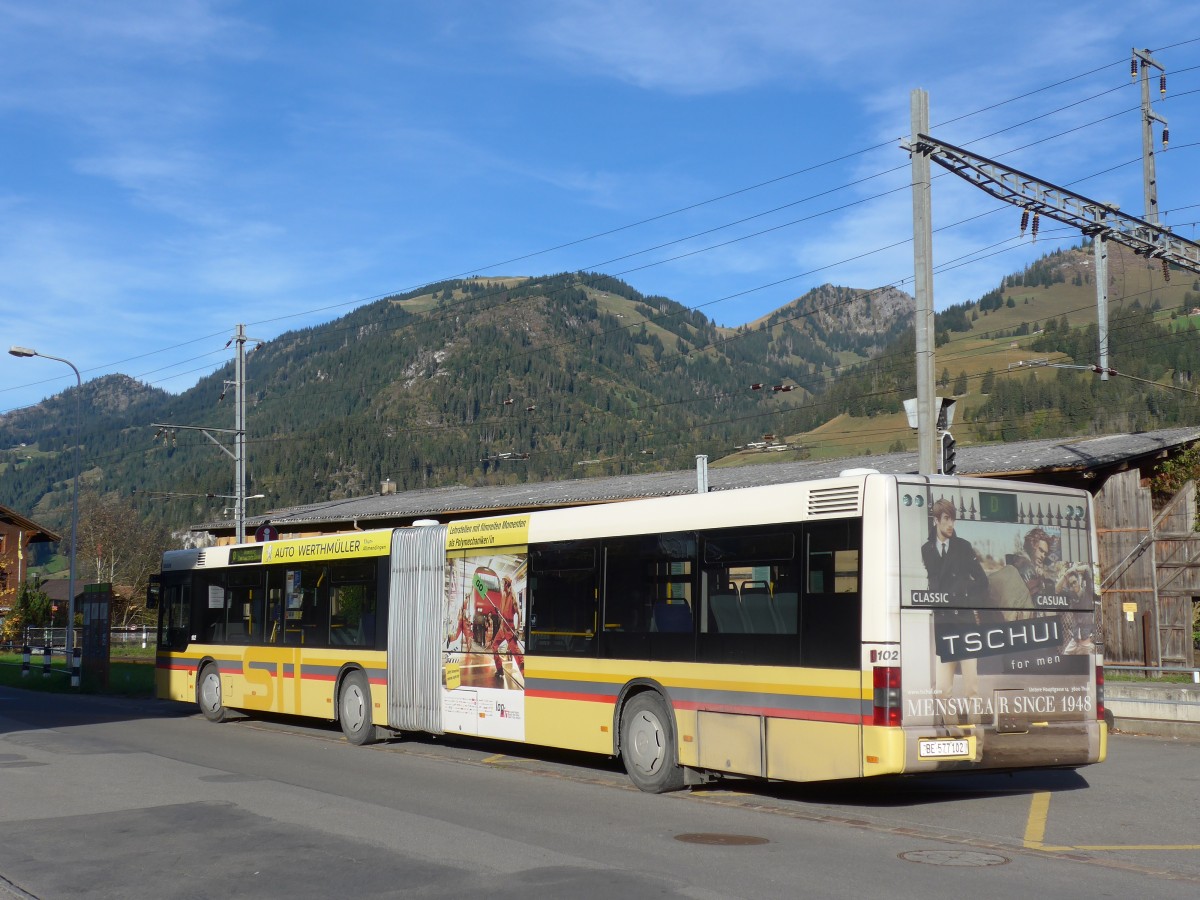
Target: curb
(1159, 710)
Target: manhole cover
(727, 840)
(954, 858)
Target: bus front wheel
(208, 694)
(354, 709)
(648, 745)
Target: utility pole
(238, 454)
(1149, 117)
(239, 437)
(1100, 254)
(923, 282)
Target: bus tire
(354, 709)
(648, 744)
(208, 694)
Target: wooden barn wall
(1134, 600)
(1177, 555)
(1122, 522)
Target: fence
(57, 637)
(49, 637)
(1153, 671)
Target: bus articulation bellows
(862, 625)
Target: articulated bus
(855, 626)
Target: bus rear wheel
(208, 694)
(648, 745)
(354, 709)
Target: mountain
(500, 380)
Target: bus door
(174, 634)
(297, 618)
(258, 631)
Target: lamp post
(70, 636)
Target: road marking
(494, 758)
(1035, 832)
(1035, 824)
(1133, 847)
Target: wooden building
(17, 534)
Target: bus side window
(563, 598)
(831, 608)
(215, 603)
(352, 613)
(751, 592)
(314, 619)
(642, 574)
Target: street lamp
(239, 508)
(70, 637)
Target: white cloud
(697, 46)
(180, 30)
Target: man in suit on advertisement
(954, 569)
(951, 562)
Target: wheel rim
(210, 692)
(354, 707)
(647, 743)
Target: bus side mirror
(153, 589)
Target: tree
(960, 384)
(32, 610)
(989, 382)
(1174, 472)
(116, 547)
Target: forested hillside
(471, 381)
(1020, 362)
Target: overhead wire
(456, 426)
(459, 426)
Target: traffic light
(946, 464)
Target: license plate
(943, 748)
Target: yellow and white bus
(855, 626)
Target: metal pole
(1149, 117)
(70, 644)
(26, 352)
(239, 439)
(923, 284)
(1100, 252)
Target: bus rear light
(1100, 692)
(886, 703)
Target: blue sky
(169, 170)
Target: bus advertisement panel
(483, 673)
(998, 597)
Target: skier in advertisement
(506, 631)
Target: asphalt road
(112, 798)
